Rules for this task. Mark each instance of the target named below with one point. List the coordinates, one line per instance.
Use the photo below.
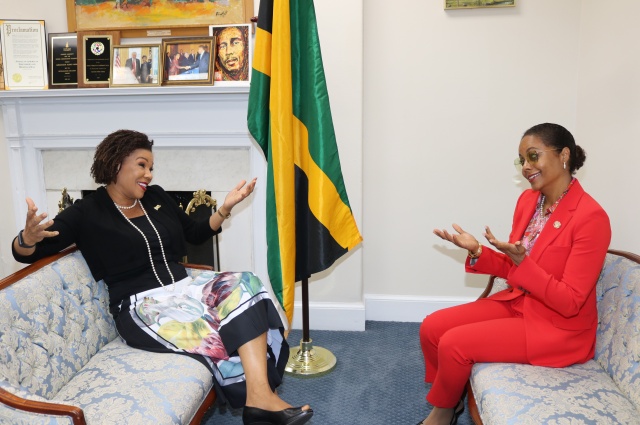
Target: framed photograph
(94, 57)
(63, 60)
(232, 63)
(188, 61)
(135, 65)
(156, 18)
(24, 55)
(471, 4)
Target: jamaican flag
(309, 220)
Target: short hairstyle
(558, 137)
(112, 151)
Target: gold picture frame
(63, 60)
(476, 4)
(94, 65)
(188, 61)
(135, 65)
(24, 54)
(155, 18)
(1, 66)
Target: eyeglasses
(532, 157)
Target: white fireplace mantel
(176, 117)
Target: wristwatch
(21, 241)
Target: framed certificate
(94, 57)
(63, 60)
(24, 55)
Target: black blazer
(109, 244)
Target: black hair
(558, 137)
(112, 151)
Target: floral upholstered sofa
(605, 390)
(61, 361)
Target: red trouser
(455, 338)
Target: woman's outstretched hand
(462, 239)
(515, 251)
(35, 228)
(238, 194)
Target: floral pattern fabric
(190, 315)
(602, 391)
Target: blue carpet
(378, 379)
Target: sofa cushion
(618, 337)
(517, 394)
(137, 387)
(54, 320)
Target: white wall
(429, 106)
(447, 97)
(609, 111)
(448, 94)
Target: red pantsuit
(548, 317)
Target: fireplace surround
(200, 138)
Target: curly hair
(556, 136)
(112, 151)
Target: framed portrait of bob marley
(232, 64)
(156, 18)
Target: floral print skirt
(208, 318)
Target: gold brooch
(157, 207)
(557, 224)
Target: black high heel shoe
(290, 416)
(457, 413)
(459, 409)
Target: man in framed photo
(201, 66)
(133, 63)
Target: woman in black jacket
(133, 235)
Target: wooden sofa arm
(488, 288)
(26, 271)
(41, 407)
(197, 266)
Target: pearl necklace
(541, 214)
(120, 207)
(146, 241)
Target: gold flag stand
(309, 360)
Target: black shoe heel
(457, 413)
(290, 416)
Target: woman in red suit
(552, 260)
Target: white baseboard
(331, 316)
(382, 308)
(397, 308)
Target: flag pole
(308, 360)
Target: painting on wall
(232, 64)
(471, 4)
(155, 14)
